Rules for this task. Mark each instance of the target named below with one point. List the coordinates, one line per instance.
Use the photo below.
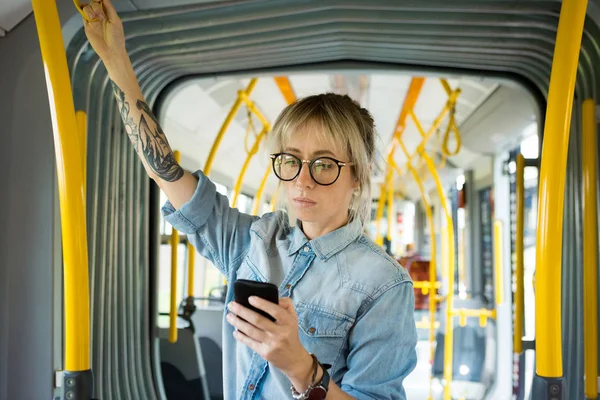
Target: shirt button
(288, 286)
(312, 330)
(250, 387)
(306, 249)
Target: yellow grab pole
(286, 88)
(251, 153)
(173, 298)
(432, 262)
(449, 338)
(552, 189)
(81, 118)
(498, 260)
(445, 266)
(519, 290)
(242, 94)
(71, 191)
(260, 191)
(288, 94)
(590, 249)
(191, 268)
(379, 213)
(390, 204)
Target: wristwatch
(317, 390)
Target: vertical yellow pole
(552, 189)
(432, 262)
(227, 122)
(191, 268)
(498, 259)
(390, 204)
(173, 298)
(379, 213)
(590, 249)
(449, 337)
(238, 184)
(70, 187)
(519, 290)
(288, 94)
(445, 265)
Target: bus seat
(213, 361)
(182, 366)
(208, 323)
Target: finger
(97, 8)
(89, 12)
(111, 13)
(270, 308)
(288, 305)
(248, 329)
(253, 344)
(252, 317)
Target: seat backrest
(208, 322)
(184, 354)
(183, 359)
(213, 362)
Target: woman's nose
(304, 178)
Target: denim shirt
(354, 302)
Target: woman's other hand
(276, 342)
(104, 30)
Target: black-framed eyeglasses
(323, 170)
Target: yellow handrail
(191, 268)
(519, 289)
(449, 337)
(381, 204)
(445, 266)
(242, 96)
(590, 248)
(498, 260)
(238, 184)
(483, 314)
(451, 126)
(173, 298)
(70, 187)
(288, 94)
(390, 205)
(285, 87)
(433, 284)
(552, 189)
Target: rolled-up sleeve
(217, 231)
(382, 346)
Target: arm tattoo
(148, 139)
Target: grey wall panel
(28, 227)
(572, 265)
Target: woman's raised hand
(104, 30)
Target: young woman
(344, 325)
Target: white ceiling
(12, 12)
(192, 115)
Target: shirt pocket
(323, 332)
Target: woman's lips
(304, 202)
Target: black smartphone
(244, 288)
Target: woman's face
(321, 209)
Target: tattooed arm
(149, 141)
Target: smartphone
(244, 288)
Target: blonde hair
(343, 123)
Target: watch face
(317, 393)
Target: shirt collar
(329, 244)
